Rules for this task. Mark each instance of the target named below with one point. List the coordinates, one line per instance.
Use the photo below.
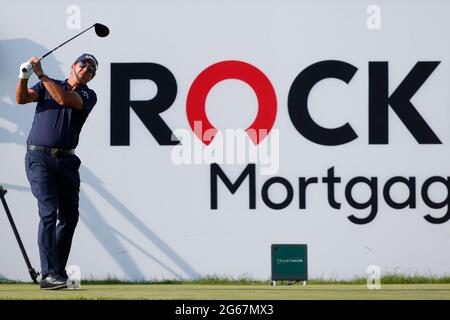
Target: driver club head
(101, 30)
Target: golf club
(100, 29)
(32, 272)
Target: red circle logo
(224, 70)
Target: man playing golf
(50, 162)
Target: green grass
(217, 291)
(207, 280)
(393, 286)
(391, 278)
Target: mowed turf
(235, 292)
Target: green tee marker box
(289, 262)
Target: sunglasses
(85, 65)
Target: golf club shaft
(32, 272)
(28, 68)
(79, 34)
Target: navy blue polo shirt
(56, 126)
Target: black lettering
(249, 171)
(265, 193)
(147, 111)
(436, 205)
(330, 180)
(298, 102)
(410, 201)
(379, 102)
(302, 184)
(372, 202)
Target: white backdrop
(144, 217)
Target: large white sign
(223, 127)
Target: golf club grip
(46, 54)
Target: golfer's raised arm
(63, 97)
(23, 94)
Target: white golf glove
(28, 70)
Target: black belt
(54, 152)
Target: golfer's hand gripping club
(25, 70)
